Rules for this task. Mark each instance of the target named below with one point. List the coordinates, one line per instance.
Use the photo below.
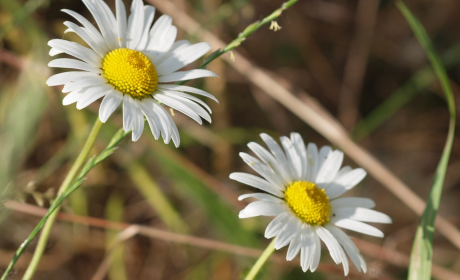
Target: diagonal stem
(261, 261)
(62, 189)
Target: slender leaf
(422, 249)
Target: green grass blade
(422, 251)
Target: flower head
(302, 190)
(131, 62)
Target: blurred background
(359, 59)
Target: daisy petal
(187, 96)
(91, 40)
(347, 244)
(186, 75)
(330, 168)
(363, 215)
(149, 13)
(357, 226)
(138, 124)
(294, 247)
(299, 145)
(287, 233)
(331, 243)
(256, 182)
(182, 58)
(269, 160)
(73, 63)
(263, 170)
(86, 82)
(187, 89)
(279, 155)
(312, 162)
(293, 157)
(179, 106)
(109, 104)
(92, 94)
(76, 50)
(72, 97)
(276, 225)
(262, 208)
(122, 25)
(63, 78)
(345, 182)
(259, 196)
(352, 202)
(135, 24)
(129, 112)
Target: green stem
(64, 187)
(261, 260)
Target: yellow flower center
(308, 202)
(130, 72)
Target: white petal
(149, 13)
(182, 58)
(293, 158)
(345, 182)
(179, 106)
(168, 124)
(89, 81)
(324, 152)
(256, 182)
(294, 247)
(279, 155)
(330, 167)
(162, 36)
(259, 196)
(331, 243)
(352, 202)
(269, 160)
(147, 107)
(109, 104)
(63, 78)
(290, 230)
(263, 170)
(72, 97)
(138, 124)
(277, 224)
(73, 63)
(180, 97)
(262, 208)
(187, 96)
(346, 267)
(76, 50)
(54, 51)
(92, 41)
(299, 145)
(92, 94)
(357, 226)
(89, 27)
(129, 113)
(312, 162)
(317, 253)
(103, 22)
(160, 56)
(135, 23)
(308, 246)
(187, 89)
(363, 215)
(186, 75)
(122, 26)
(347, 244)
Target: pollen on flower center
(130, 72)
(308, 202)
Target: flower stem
(261, 260)
(62, 189)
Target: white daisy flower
(131, 62)
(303, 188)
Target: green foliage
(422, 250)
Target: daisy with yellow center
(302, 188)
(130, 61)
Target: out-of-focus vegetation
(361, 61)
